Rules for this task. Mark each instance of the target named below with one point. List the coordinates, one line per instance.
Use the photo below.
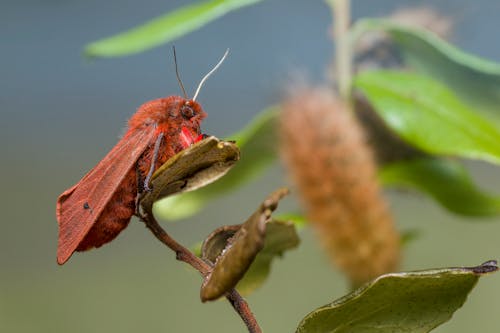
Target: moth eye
(187, 112)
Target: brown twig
(241, 306)
(183, 254)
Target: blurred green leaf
(164, 29)
(409, 236)
(257, 143)
(429, 116)
(281, 236)
(447, 181)
(298, 219)
(414, 302)
(232, 249)
(474, 79)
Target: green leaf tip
(487, 267)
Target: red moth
(101, 204)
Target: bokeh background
(60, 114)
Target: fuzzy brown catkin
(335, 174)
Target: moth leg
(153, 162)
(140, 189)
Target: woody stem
(185, 255)
(241, 306)
(182, 253)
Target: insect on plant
(95, 210)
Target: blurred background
(60, 114)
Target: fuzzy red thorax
(95, 210)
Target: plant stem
(341, 12)
(183, 254)
(241, 306)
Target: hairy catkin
(335, 173)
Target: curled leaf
(414, 302)
(194, 167)
(240, 250)
(280, 236)
(216, 242)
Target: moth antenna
(209, 74)
(177, 74)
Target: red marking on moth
(95, 210)
(187, 138)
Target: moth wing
(79, 207)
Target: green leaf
(164, 29)
(474, 79)
(257, 142)
(447, 181)
(281, 235)
(414, 302)
(429, 116)
(232, 249)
